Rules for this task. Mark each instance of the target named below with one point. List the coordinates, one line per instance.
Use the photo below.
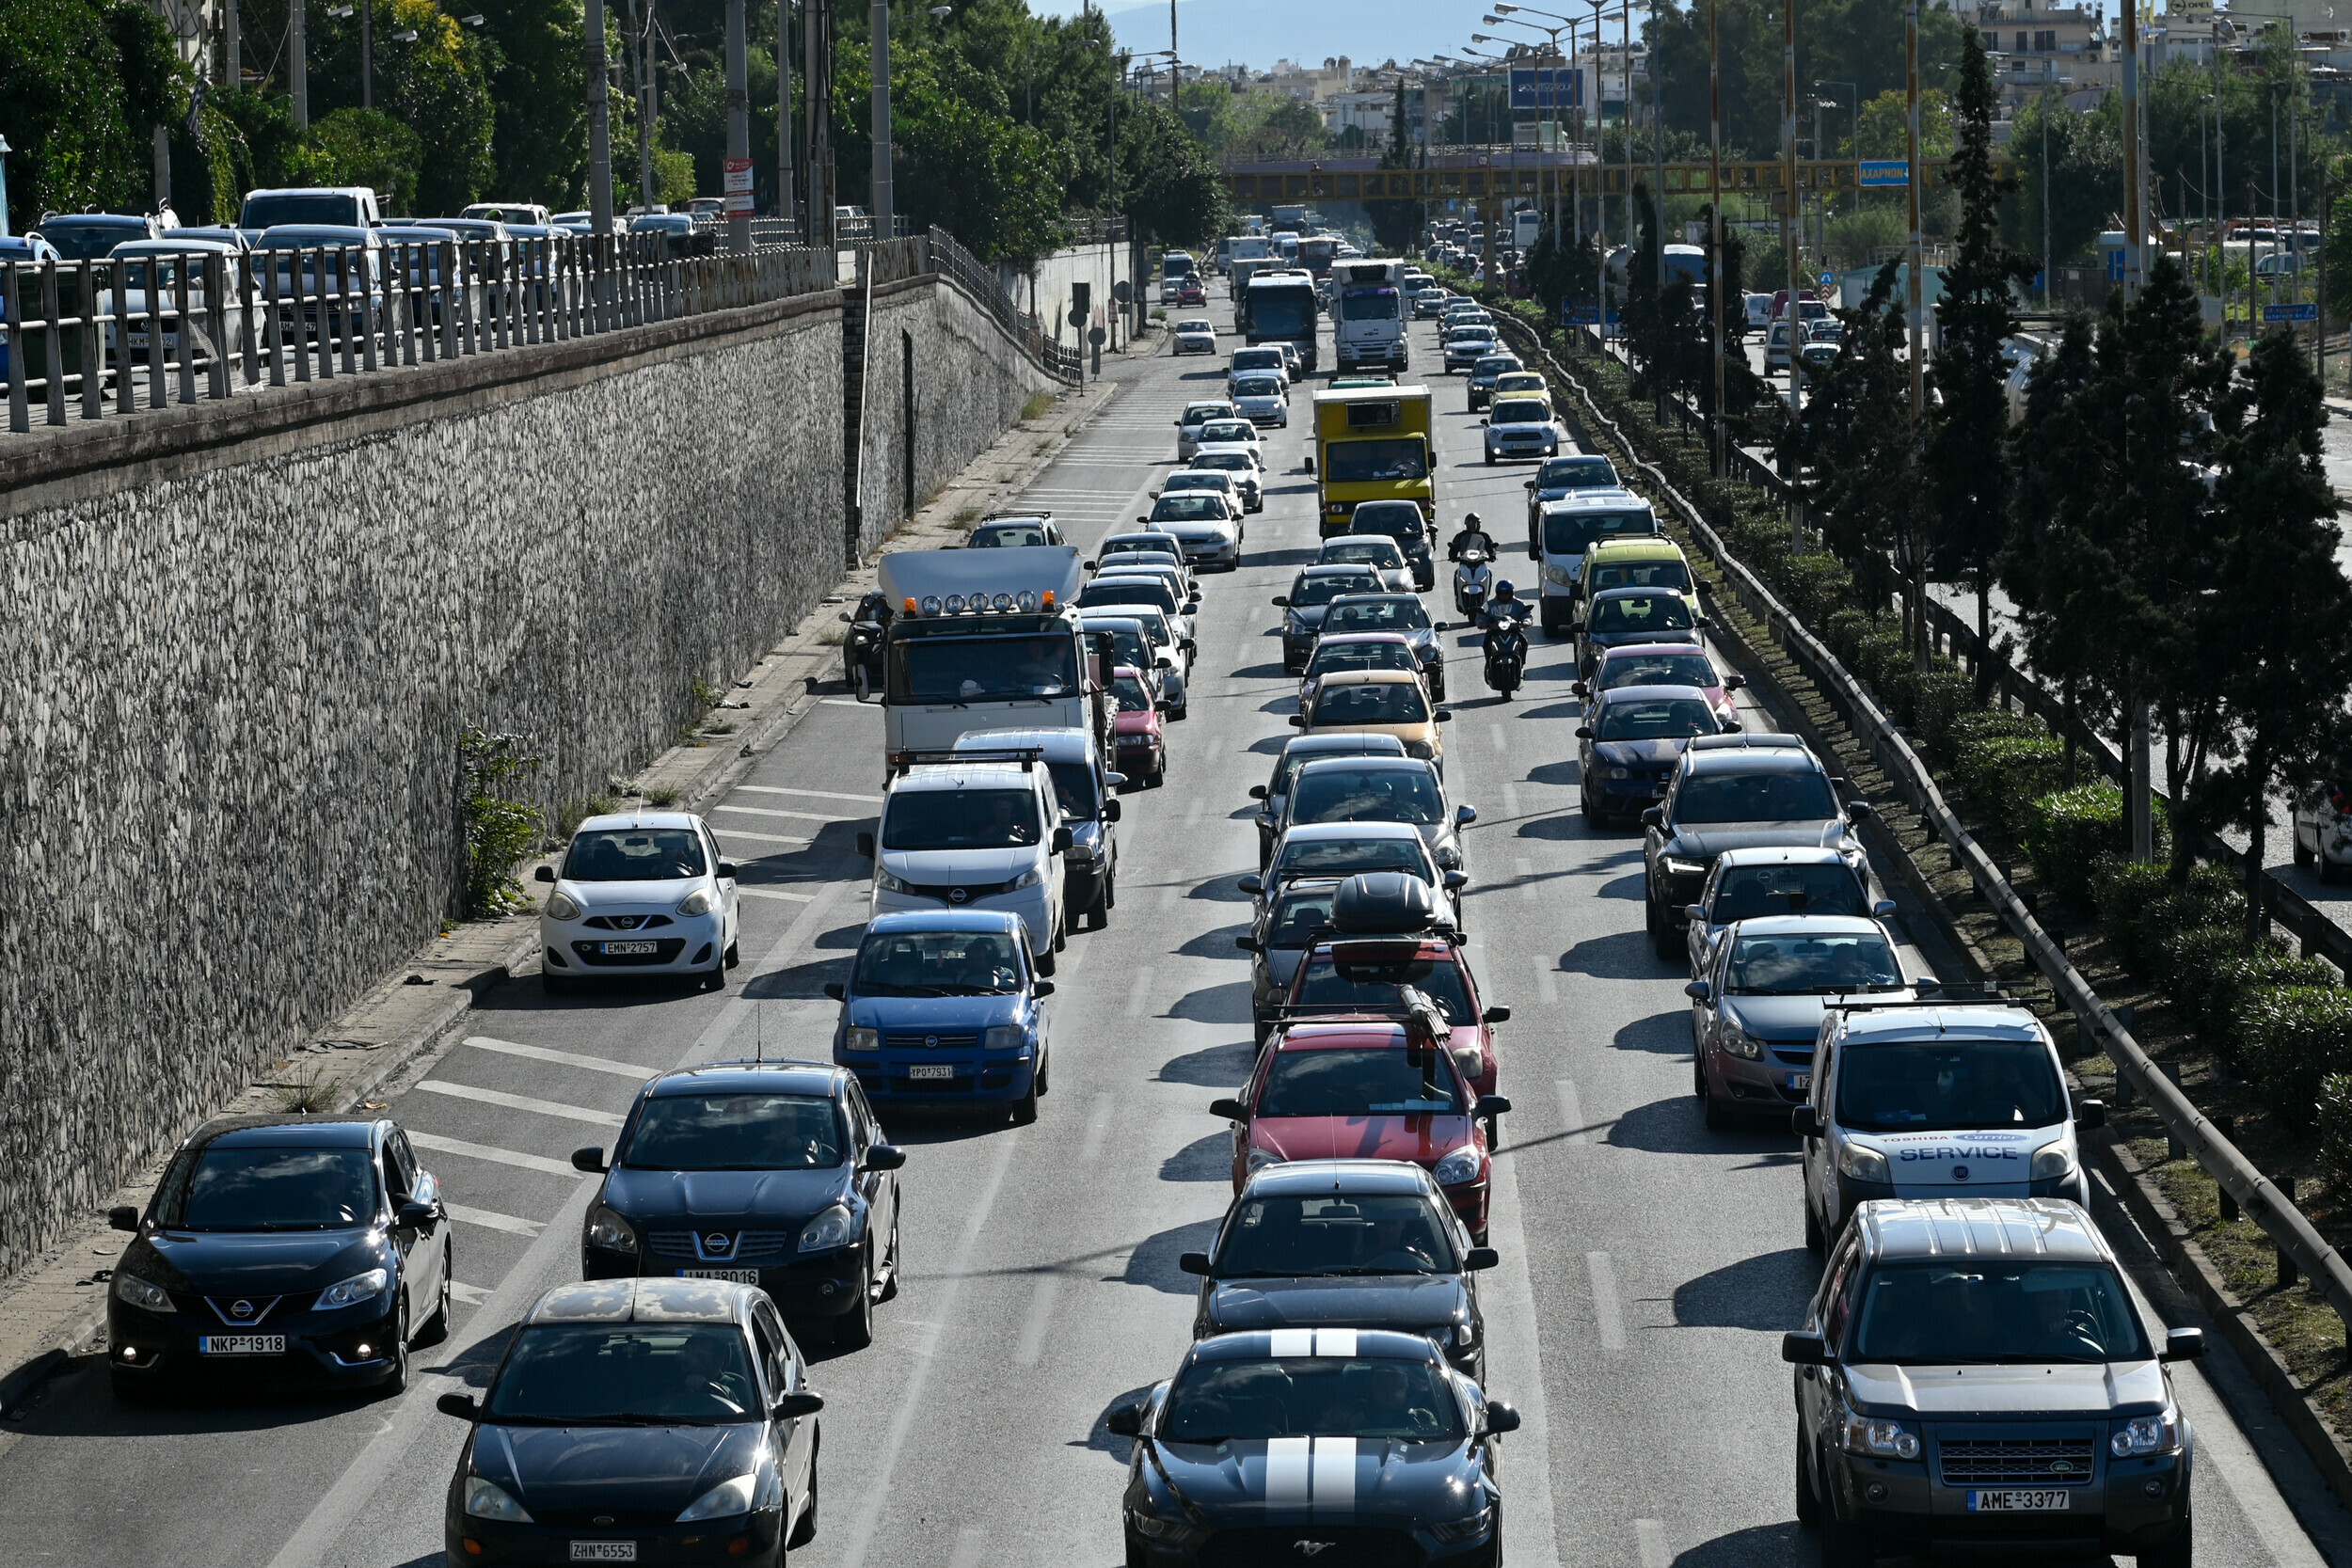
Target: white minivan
(973, 829)
(1567, 529)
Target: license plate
(931, 1070)
(733, 1276)
(613, 950)
(2019, 1502)
(604, 1551)
(1801, 1083)
(241, 1344)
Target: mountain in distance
(1213, 33)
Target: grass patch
(1038, 406)
(309, 1093)
(663, 797)
(574, 813)
(965, 520)
(833, 637)
(722, 727)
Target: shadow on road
(1154, 1261)
(1766, 1294)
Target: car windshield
(1125, 590)
(1656, 719)
(1399, 520)
(89, 242)
(1640, 574)
(1750, 892)
(268, 212)
(1297, 916)
(1227, 430)
(1285, 312)
(953, 669)
(995, 535)
(1322, 1396)
(1257, 359)
(1365, 304)
(1279, 1237)
(1576, 473)
(1370, 703)
(167, 272)
(960, 819)
(1401, 614)
(1521, 411)
(1792, 965)
(635, 855)
(1127, 691)
(1372, 550)
(1689, 669)
(1640, 612)
(1363, 462)
(936, 964)
(1494, 365)
(735, 1132)
(1336, 792)
(1073, 788)
(1257, 387)
(1573, 532)
(1200, 479)
(1371, 654)
(1780, 795)
(626, 1374)
(1345, 857)
(1948, 1086)
(1315, 588)
(1359, 979)
(1940, 1311)
(1225, 462)
(1201, 412)
(247, 1187)
(1361, 1080)
(1190, 507)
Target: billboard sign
(1882, 173)
(1546, 88)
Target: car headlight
(831, 1228)
(858, 1037)
(886, 883)
(1738, 1041)
(143, 1294)
(1864, 1164)
(1420, 749)
(1176, 1533)
(1464, 1334)
(1677, 867)
(1457, 1168)
(2052, 1161)
(1615, 772)
(1034, 876)
(488, 1499)
(727, 1498)
(1005, 1037)
(1469, 1528)
(700, 901)
(1261, 1158)
(358, 1288)
(559, 907)
(609, 1231)
(2146, 1434)
(1876, 1438)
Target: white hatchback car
(1196, 336)
(639, 893)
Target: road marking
(775, 893)
(1525, 870)
(971, 1548)
(522, 1103)
(1098, 1129)
(1174, 890)
(733, 831)
(1511, 801)
(1515, 1361)
(799, 816)
(1139, 992)
(1502, 741)
(495, 1156)
(812, 793)
(843, 702)
(1571, 1111)
(491, 1220)
(1547, 978)
(1650, 1537)
(473, 1295)
(1192, 815)
(1032, 1341)
(1605, 1308)
(564, 1058)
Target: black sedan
(282, 1250)
(644, 1421)
(773, 1173)
(1630, 742)
(1281, 1445)
(1346, 1244)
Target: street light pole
(599, 124)
(1715, 217)
(298, 64)
(881, 197)
(739, 167)
(1788, 219)
(1917, 249)
(2134, 223)
(787, 207)
(367, 54)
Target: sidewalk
(57, 1309)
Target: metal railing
(950, 260)
(87, 338)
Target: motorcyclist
(1474, 536)
(1505, 605)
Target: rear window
(1324, 589)
(1691, 668)
(1775, 797)
(1573, 533)
(1576, 473)
(1373, 703)
(1402, 614)
(1521, 411)
(1297, 916)
(1345, 857)
(1648, 612)
(1399, 520)
(1751, 891)
(1640, 574)
(1380, 983)
(1334, 793)
(1655, 718)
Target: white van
(974, 829)
(1569, 526)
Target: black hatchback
(773, 1173)
(282, 1250)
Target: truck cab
(1369, 315)
(1372, 443)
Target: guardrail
(88, 338)
(951, 260)
(2264, 1203)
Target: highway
(1649, 1265)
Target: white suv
(642, 892)
(973, 829)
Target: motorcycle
(1506, 648)
(1473, 580)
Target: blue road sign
(2291, 313)
(1829, 281)
(1546, 88)
(1876, 173)
(1583, 315)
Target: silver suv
(1972, 1372)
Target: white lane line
(843, 702)
(1193, 813)
(1098, 1129)
(490, 1220)
(563, 1058)
(1031, 1344)
(1501, 740)
(812, 793)
(1511, 800)
(971, 1549)
(473, 1295)
(1139, 992)
(1172, 891)
(797, 815)
(1571, 1111)
(775, 893)
(1605, 1308)
(862, 1531)
(733, 831)
(1516, 1365)
(1649, 1536)
(1547, 978)
(459, 1146)
(1525, 870)
(522, 1103)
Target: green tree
(2081, 184)
(1883, 130)
(1168, 188)
(365, 147)
(1840, 41)
(537, 53)
(83, 86)
(435, 85)
(1861, 448)
(1396, 221)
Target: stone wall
(245, 645)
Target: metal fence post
(343, 312)
(216, 327)
(187, 331)
(245, 316)
(368, 313)
(52, 383)
(93, 349)
(20, 417)
(158, 384)
(272, 297)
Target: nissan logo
(716, 1241)
(240, 1309)
(1960, 1173)
(957, 895)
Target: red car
(1190, 293)
(1665, 664)
(1371, 974)
(1137, 742)
(1367, 1089)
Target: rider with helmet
(1474, 536)
(1504, 605)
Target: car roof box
(1733, 742)
(1382, 902)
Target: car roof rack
(1424, 1022)
(1027, 756)
(1025, 514)
(1940, 994)
(1765, 738)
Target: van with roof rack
(974, 829)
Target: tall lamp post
(1507, 15)
(878, 25)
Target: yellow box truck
(1374, 443)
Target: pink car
(1137, 742)
(1665, 664)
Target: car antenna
(759, 1035)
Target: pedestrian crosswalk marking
(441, 1145)
(562, 1058)
(490, 1221)
(522, 1103)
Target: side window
(1824, 1061)
(774, 1365)
(1837, 1301)
(717, 854)
(405, 1158)
(865, 1117)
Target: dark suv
(1731, 792)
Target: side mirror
(1805, 1122)
(2184, 1344)
(866, 845)
(1495, 1015)
(413, 1216)
(1257, 792)
(727, 872)
(1696, 912)
(1230, 1109)
(1162, 662)
(1445, 715)
(464, 1407)
(883, 1157)
(1040, 989)
(1654, 817)
(1111, 809)
(837, 990)
(1576, 628)
(1733, 683)
(1247, 944)
(1062, 840)
(792, 1406)
(2090, 1114)
(1698, 991)
(589, 1162)
(1143, 519)
(1584, 731)
(1883, 910)
(1464, 816)
(1859, 808)
(1251, 885)
(1499, 1417)
(1809, 1350)
(1479, 1259)
(1299, 721)
(1704, 623)
(1125, 1421)
(844, 618)
(123, 1216)
(1581, 688)
(1192, 1263)
(1281, 601)
(1491, 1105)
(1456, 880)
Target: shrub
(2141, 908)
(498, 831)
(2208, 967)
(1938, 698)
(2335, 1130)
(2067, 831)
(2291, 1038)
(1815, 586)
(2003, 773)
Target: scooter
(1506, 649)
(1473, 580)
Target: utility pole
(817, 137)
(232, 52)
(599, 124)
(1917, 249)
(1720, 425)
(878, 25)
(786, 207)
(1790, 224)
(2135, 230)
(641, 55)
(1657, 149)
(367, 54)
(737, 187)
(297, 64)
(2045, 202)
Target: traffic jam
(1972, 1369)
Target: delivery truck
(1374, 443)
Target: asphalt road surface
(1648, 1265)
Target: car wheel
(395, 1382)
(1045, 962)
(1156, 780)
(2330, 872)
(1024, 1108)
(855, 1329)
(435, 1327)
(1808, 1500)
(131, 1390)
(1478, 1237)
(1718, 1115)
(1490, 459)
(1110, 892)
(735, 952)
(1670, 940)
(890, 1275)
(554, 984)
(806, 1532)
(1137, 1557)
(1843, 1544)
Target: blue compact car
(942, 1006)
